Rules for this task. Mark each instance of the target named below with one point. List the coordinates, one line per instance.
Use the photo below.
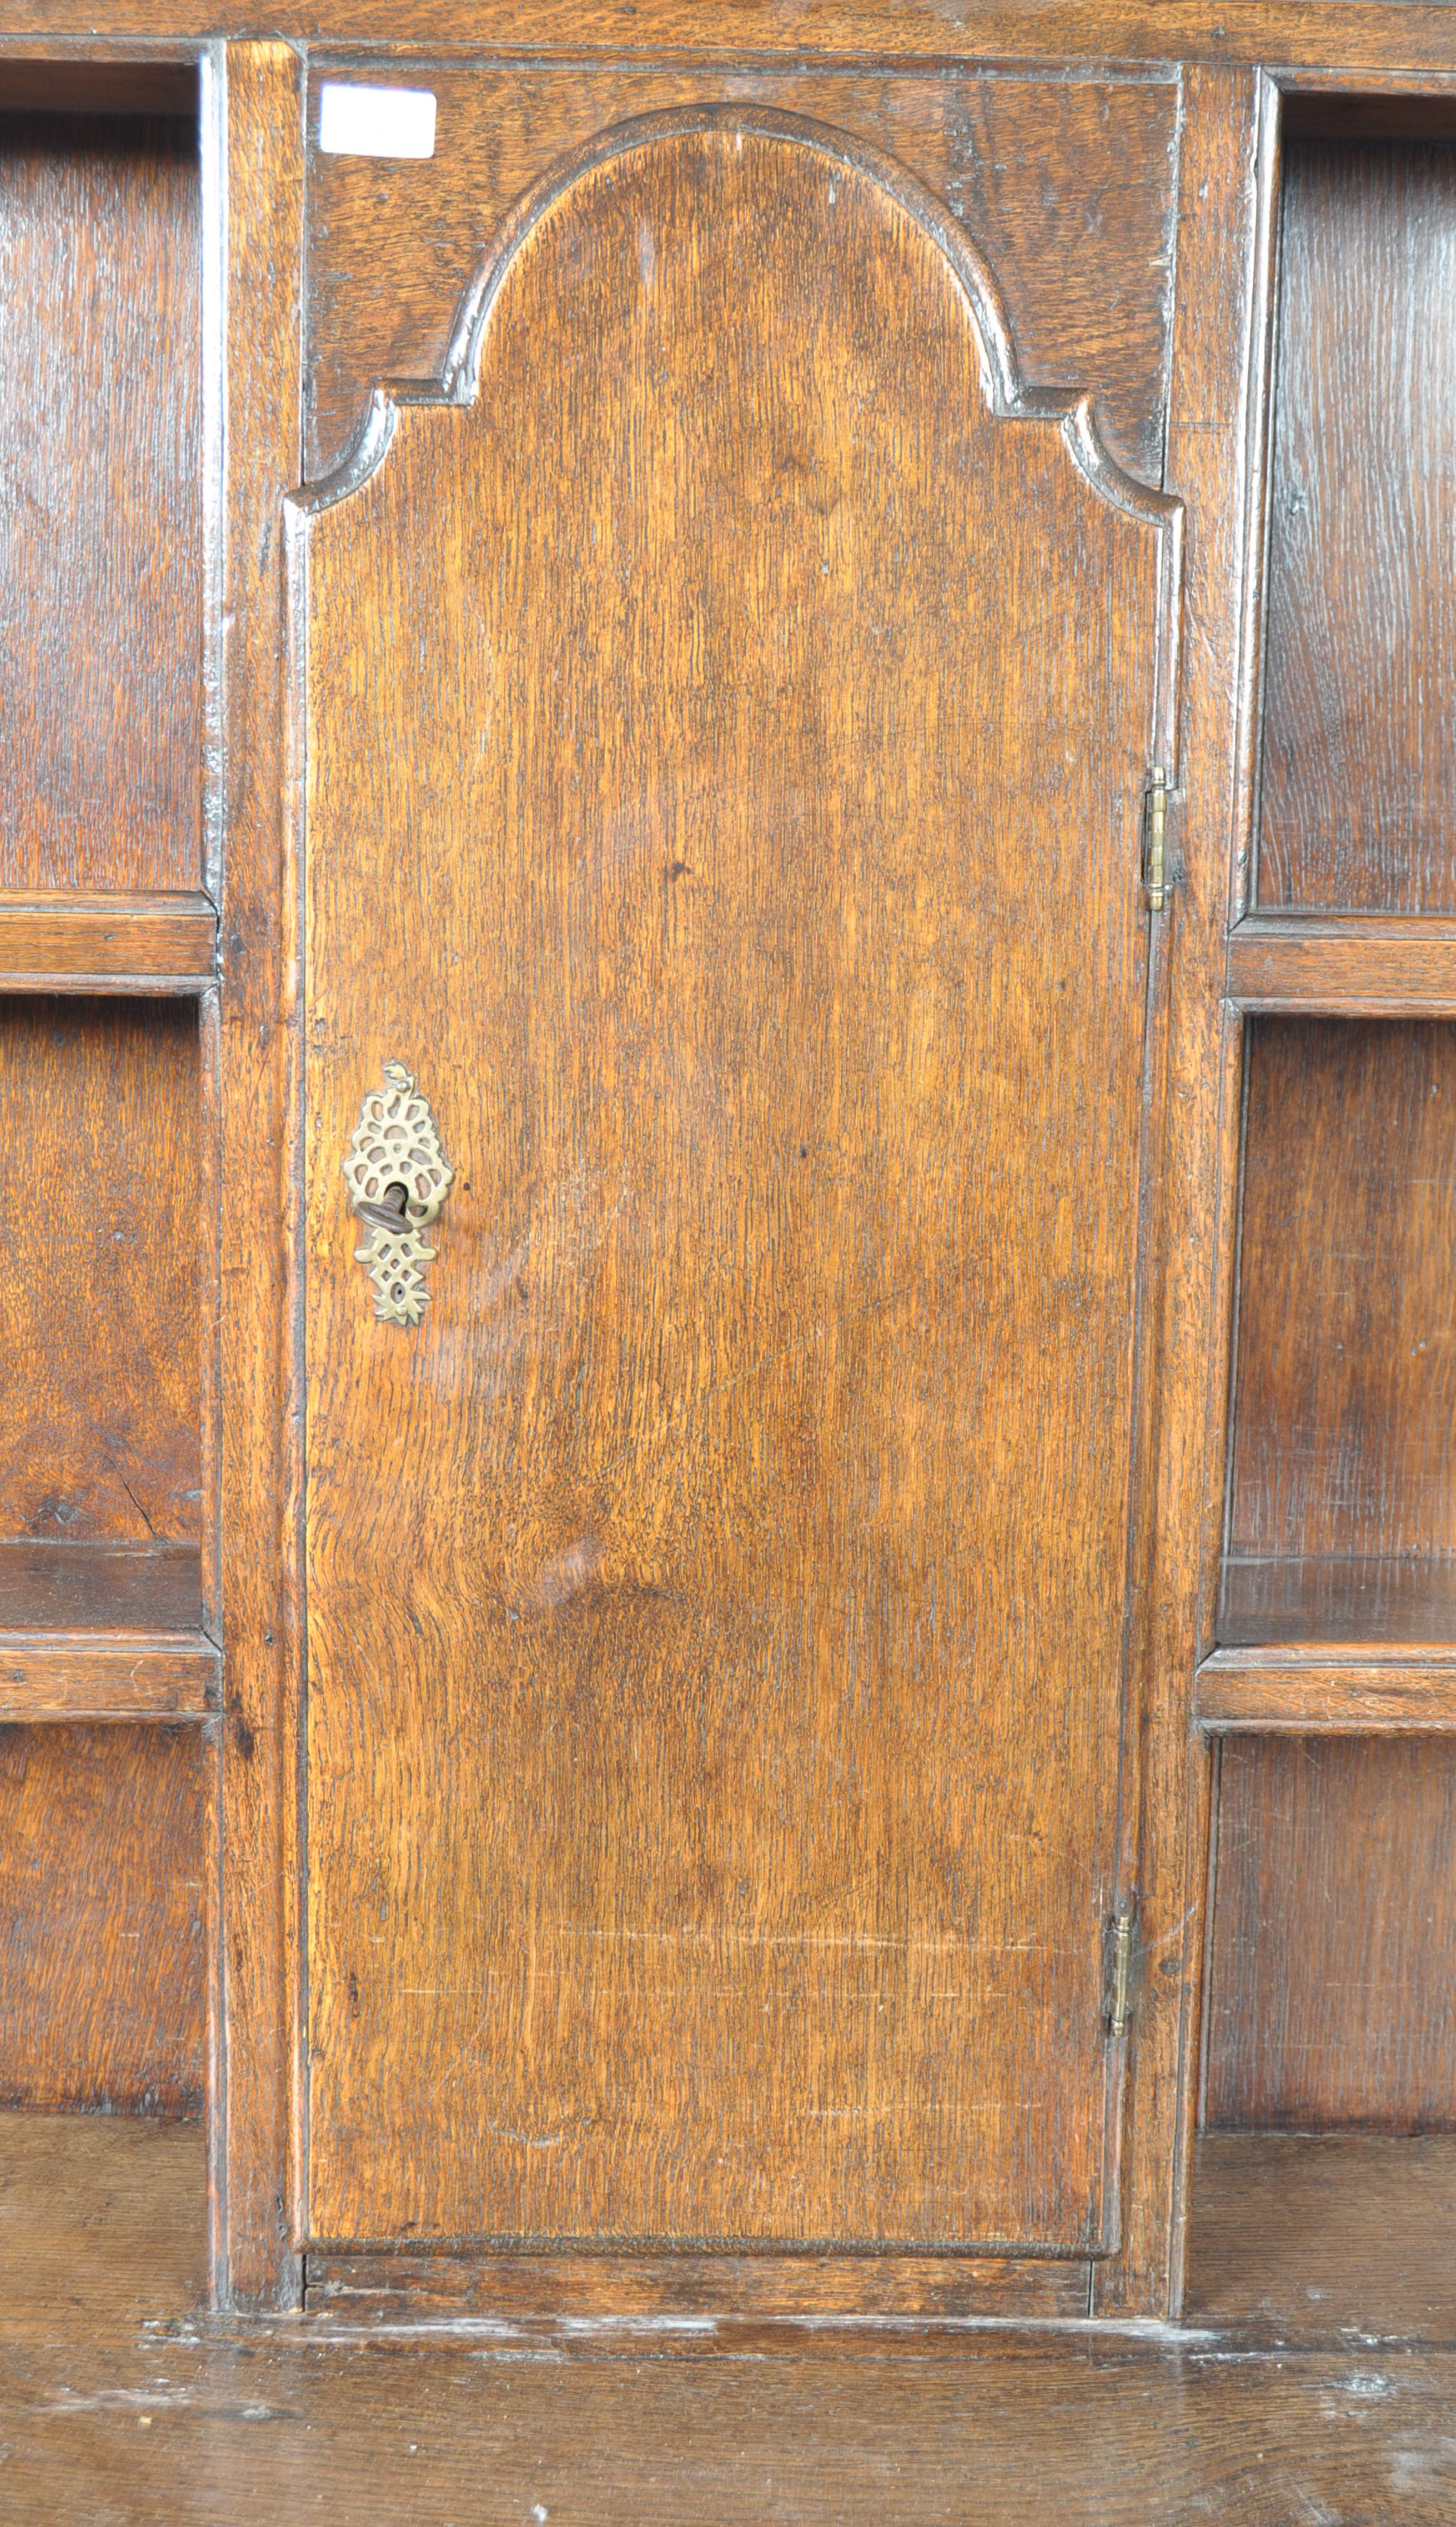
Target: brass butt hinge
(1122, 1947)
(1154, 839)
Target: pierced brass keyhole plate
(397, 1176)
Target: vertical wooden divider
(257, 159)
(1208, 468)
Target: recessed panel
(1359, 758)
(716, 1592)
(100, 451)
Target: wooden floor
(1314, 2385)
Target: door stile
(1208, 468)
(255, 173)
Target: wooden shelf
(1333, 1688)
(74, 942)
(1340, 1643)
(1344, 964)
(103, 1632)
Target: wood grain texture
(1359, 780)
(105, 1676)
(1332, 2001)
(1346, 1375)
(1350, 965)
(1318, 2266)
(540, 2293)
(89, 84)
(101, 1941)
(1339, 2236)
(102, 2226)
(64, 940)
(1313, 1691)
(98, 1272)
(715, 1610)
(101, 616)
(1066, 186)
(1369, 1598)
(1394, 42)
(47, 1587)
(1165, 1794)
(255, 125)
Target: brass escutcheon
(397, 1176)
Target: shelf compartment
(1344, 965)
(59, 940)
(92, 1631)
(103, 1892)
(1326, 2236)
(1329, 1689)
(1355, 1598)
(1330, 2004)
(85, 1588)
(1358, 759)
(101, 646)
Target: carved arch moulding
(1066, 182)
(1007, 395)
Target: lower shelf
(70, 941)
(1335, 1688)
(1333, 1643)
(1344, 2237)
(1334, 2237)
(103, 1632)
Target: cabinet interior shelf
(70, 941)
(91, 1631)
(1344, 964)
(1340, 1643)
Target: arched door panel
(725, 735)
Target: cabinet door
(728, 712)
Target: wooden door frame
(253, 176)
(255, 96)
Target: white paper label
(376, 122)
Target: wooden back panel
(99, 1301)
(1359, 767)
(102, 1960)
(717, 1607)
(1345, 1402)
(1330, 1997)
(100, 448)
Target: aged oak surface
(1331, 2000)
(98, 1272)
(101, 1935)
(1348, 965)
(100, 428)
(1316, 1686)
(716, 1608)
(1359, 772)
(1346, 1368)
(1345, 34)
(1331, 2238)
(60, 939)
(1363, 1598)
(392, 246)
(1192, 1224)
(538, 2290)
(1064, 169)
(254, 121)
(118, 2406)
